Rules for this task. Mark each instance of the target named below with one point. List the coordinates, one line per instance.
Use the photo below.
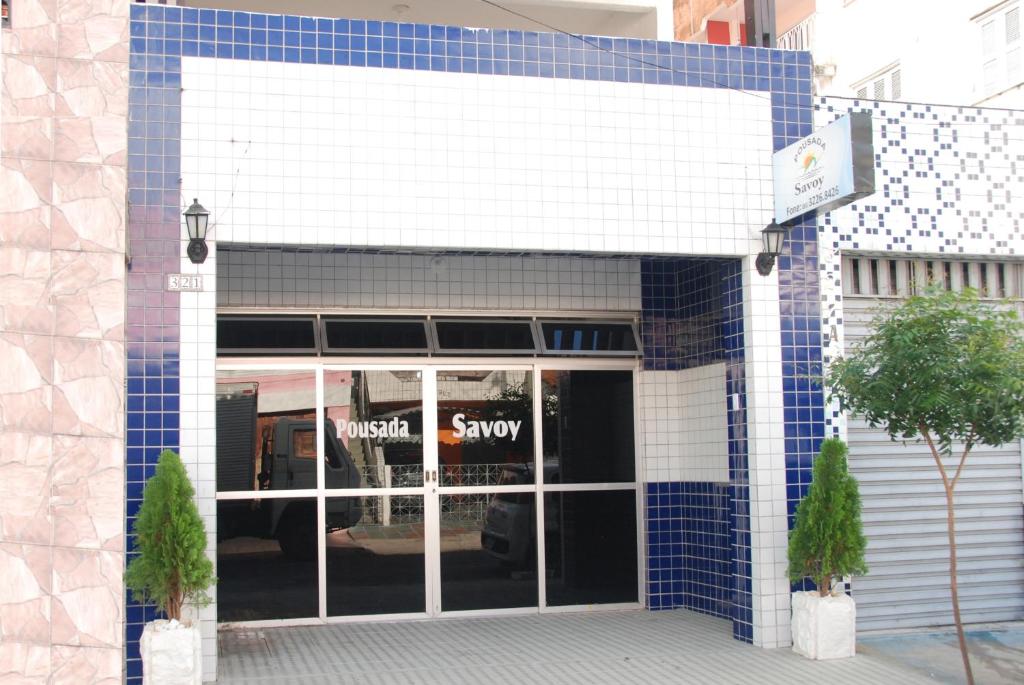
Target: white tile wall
(684, 425)
(313, 154)
(766, 447)
(198, 417)
(307, 155)
(273, 278)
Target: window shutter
(1013, 25)
(988, 36)
(897, 87)
(862, 93)
(880, 89)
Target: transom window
(324, 335)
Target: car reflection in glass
(510, 529)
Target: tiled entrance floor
(620, 647)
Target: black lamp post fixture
(196, 219)
(771, 241)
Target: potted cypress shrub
(827, 543)
(171, 569)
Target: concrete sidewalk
(611, 647)
(997, 655)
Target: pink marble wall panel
(24, 291)
(29, 85)
(63, 139)
(93, 665)
(93, 30)
(25, 613)
(87, 492)
(90, 112)
(87, 598)
(26, 187)
(88, 387)
(25, 488)
(87, 294)
(26, 394)
(24, 663)
(88, 211)
(33, 28)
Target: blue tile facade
(152, 335)
(803, 395)
(160, 36)
(699, 533)
(739, 477)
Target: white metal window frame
(894, 278)
(432, 348)
(1001, 58)
(888, 76)
(432, 492)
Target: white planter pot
(171, 654)
(824, 627)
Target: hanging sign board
(830, 168)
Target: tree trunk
(951, 528)
(948, 486)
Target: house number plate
(184, 282)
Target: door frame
(432, 491)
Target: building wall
(690, 504)
(515, 156)
(688, 91)
(690, 16)
(939, 54)
(945, 180)
(64, 68)
(934, 68)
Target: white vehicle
(510, 530)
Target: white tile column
(198, 412)
(766, 457)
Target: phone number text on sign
(814, 201)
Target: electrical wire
(587, 41)
(758, 94)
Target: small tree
(945, 368)
(827, 540)
(171, 567)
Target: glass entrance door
(377, 564)
(359, 491)
(538, 504)
(486, 511)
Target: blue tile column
(154, 245)
(739, 477)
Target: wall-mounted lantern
(771, 247)
(197, 219)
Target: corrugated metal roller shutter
(905, 523)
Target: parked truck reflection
(284, 459)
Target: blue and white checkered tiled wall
(161, 37)
(945, 178)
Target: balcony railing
(800, 37)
